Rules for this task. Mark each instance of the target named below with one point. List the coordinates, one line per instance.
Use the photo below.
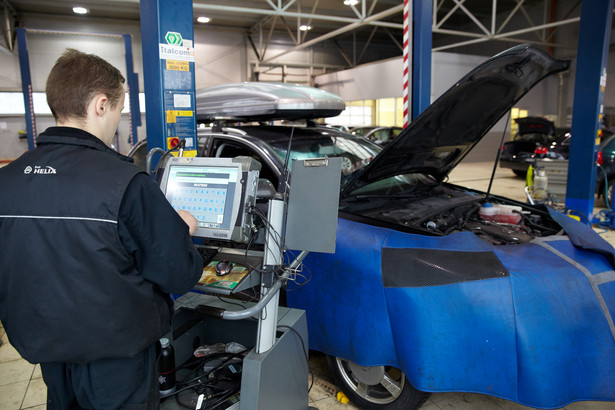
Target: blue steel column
(590, 80)
(421, 56)
(168, 73)
(133, 90)
(26, 87)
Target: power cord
(180, 146)
(209, 387)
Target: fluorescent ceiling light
(203, 19)
(351, 2)
(305, 28)
(80, 10)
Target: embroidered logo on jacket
(39, 170)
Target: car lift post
(26, 86)
(588, 108)
(167, 33)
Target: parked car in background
(606, 162)
(377, 135)
(438, 287)
(537, 138)
(337, 127)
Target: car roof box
(266, 101)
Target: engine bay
(444, 209)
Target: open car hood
(440, 137)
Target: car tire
(347, 166)
(609, 192)
(377, 387)
(519, 173)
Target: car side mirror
(265, 190)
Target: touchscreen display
(207, 192)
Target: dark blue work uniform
(91, 250)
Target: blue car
(435, 287)
(428, 293)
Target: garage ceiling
(458, 25)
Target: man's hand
(189, 220)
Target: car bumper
(516, 165)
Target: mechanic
(91, 250)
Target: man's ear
(101, 104)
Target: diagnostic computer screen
(207, 192)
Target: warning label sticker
(173, 114)
(175, 65)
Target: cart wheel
(377, 387)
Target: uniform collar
(76, 136)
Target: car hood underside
(440, 137)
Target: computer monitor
(217, 191)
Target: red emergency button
(172, 142)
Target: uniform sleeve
(158, 238)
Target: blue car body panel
(542, 335)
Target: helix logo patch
(39, 170)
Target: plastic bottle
(508, 214)
(166, 368)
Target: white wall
(384, 80)
(220, 54)
(369, 81)
(220, 57)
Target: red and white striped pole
(406, 59)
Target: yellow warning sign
(175, 65)
(170, 117)
(173, 114)
(187, 153)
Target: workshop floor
(22, 386)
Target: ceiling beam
(509, 36)
(334, 33)
(281, 12)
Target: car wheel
(609, 192)
(375, 387)
(519, 173)
(347, 166)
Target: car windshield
(356, 153)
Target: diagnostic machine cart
(247, 263)
(221, 194)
